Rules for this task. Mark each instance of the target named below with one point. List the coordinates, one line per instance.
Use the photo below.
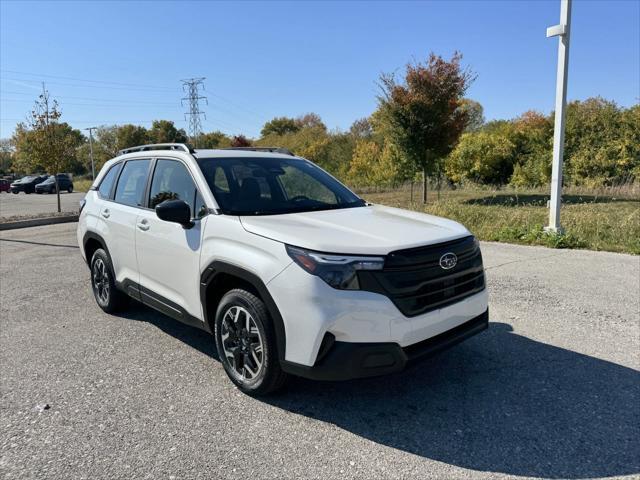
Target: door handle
(106, 213)
(143, 225)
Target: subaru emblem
(448, 261)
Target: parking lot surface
(22, 205)
(551, 390)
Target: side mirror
(176, 211)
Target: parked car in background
(5, 185)
(49, 185)
(27, 184)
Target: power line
(65, 84)
(92, 98)
(85, 80)
(192, 86)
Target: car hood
(374, 229)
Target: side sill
(161, 304)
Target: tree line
(424, 126)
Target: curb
(36, 222)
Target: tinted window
(132, 182)
(172, 181)
(104, 190)
(271, 185)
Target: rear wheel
(246, 343)
(107, 296)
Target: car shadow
(192, 336)
(500, 402)
(513, 200)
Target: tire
(15, 192)
(70, 189)
(250, 358)
(107, 296)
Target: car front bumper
(347, 360)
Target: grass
(82, 184)
(594, 220)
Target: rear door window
(132, 182)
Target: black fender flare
(89, 235)
(218, 267)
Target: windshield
(272, 186)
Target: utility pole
(192, 86)
(562, 31)
(93, 171)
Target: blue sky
(121, 62)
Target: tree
(6, 155)
(164, 131)
(280, 126)
(240, 141)
(373, 164)
(475, 114)
(600, 145)
(361, 128)
(128, 136)
(481, 157)
(44, 142)
(310, 120)
(215, 139)
(423, 113)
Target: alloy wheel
(242, 343)
(101, 281)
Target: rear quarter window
(106, 185)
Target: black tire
(70, 189)
(107, 296)
(269, 376)
(15, 192)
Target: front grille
(416, 283)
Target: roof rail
(284, 151)
(157, 146)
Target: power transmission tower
(192, 87)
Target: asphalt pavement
(551, 390)
(23, 205)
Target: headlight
(339, 271)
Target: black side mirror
(176, 211)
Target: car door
(168, 254)
(120, 214)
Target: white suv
(289, 270)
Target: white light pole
(562, 31)
(93, 172)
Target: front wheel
(246, 343)
(70, 189)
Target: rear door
(121, 213)
(168, 254)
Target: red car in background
(5, 185)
